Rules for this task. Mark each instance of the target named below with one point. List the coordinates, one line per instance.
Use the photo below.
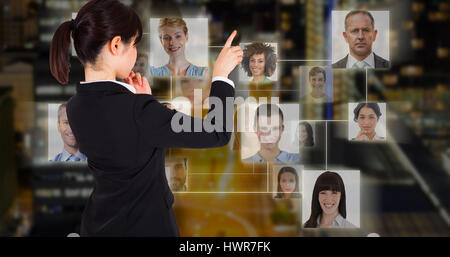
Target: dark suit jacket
(379, 62)
(124, 137)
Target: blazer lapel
(380, 62)
(342, 63)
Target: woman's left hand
(139, 83)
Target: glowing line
(238, 173)
(305, 60)
(366, 85)
(267, 177)
(229, 192)
(322, 120)
(288, 90)
(326, 145)
(171, 97)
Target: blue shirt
(192, 71)
(282, 157)
(65, 156)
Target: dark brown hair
(326, 181)
(269, 56)
(280, 192)
(96, 23)
(310, 139)
(374, 106)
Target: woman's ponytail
(60, 52)
(97, 22)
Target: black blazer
(379, 62)
(124, 137)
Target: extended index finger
(230, 39)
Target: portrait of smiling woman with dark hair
(304, 134)
(367, 115)
(328, 205)
(259, 61)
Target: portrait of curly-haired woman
(259, 62)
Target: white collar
(127, 86)
(370, 60)
(337, 222)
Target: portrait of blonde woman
(174, 37)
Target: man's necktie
(360, 65)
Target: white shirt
(338, 222)
(375, 138)
(133, 90)
(369, 61)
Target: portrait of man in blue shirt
(269, 127)
(70, 152)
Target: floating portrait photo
(177, 175)
(304, 134)
(360, 39)
(195, 89)
(331, 199)
(182, 40)
(268, 133)
(316, 84)
(311, 140)
(189, 95)
(367, 122)
(286, 181)
(259, 63)
(62, 145)
(141, 65)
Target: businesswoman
(328, 205)
(367, 116)
(173, 34)
(122, 129)
(287, 183)
(259, 61)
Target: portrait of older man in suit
(360, 34)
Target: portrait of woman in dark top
(121, 128)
